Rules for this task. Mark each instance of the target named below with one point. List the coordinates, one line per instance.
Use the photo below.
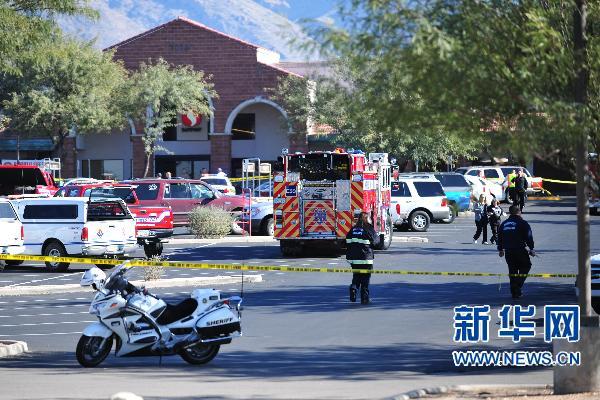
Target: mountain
(268, 23)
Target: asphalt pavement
(302, 338)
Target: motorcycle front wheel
(200, 353)
(92, 350)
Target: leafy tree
(25, 25)
(157, 92)
(500, 71)
(75, 88)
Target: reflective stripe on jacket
(359, 244)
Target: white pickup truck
(11, 239)
(61, 227)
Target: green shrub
(210, 222)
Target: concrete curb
(437, 390)
(10, 348)
(225, 240)
(160, 283)
(410, 239)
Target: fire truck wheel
(419, 221)
(290, 249)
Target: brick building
(244, 123)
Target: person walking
(481, 219)
(514, 237)
(495, 213)
(521, 185)
(511, 185)
(360, 242)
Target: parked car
(417, 200)
(221, 183)
(153, 223)
(61, 227)
(498, 175)
(13, 234)
(457, 189)
(26, 180)
(261, 218)
(488, 188)
(183, 195)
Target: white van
(62, 227)
(11, 239)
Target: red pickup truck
(23, 179)
(183, 195)
(152, 223)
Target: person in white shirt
(221, 174)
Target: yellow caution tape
(196, 265)
(249, 178)
(558, 181)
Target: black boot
(353, 291)
(364, 295)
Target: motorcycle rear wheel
(90, 351)
(200, 354)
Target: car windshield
(452, 180)
(216, 181)
(320, 166)
(507, 171)
(106, 210)
(6, 211)
(147, 191)
(461, 171)
(429, 189)
(123, 193)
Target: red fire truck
(318, 195)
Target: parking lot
(300, 327)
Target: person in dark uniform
(514, 236)
(520, 182)
(360, 242)
(494, 212)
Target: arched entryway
(258, 128)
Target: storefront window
(102, 169)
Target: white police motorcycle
(144, 325)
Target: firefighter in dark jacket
(360, 242)
(514, 236)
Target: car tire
(451, 216)
(153, 249)
(419, 221)
(55, 249)
(267, 227)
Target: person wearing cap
(360, 243)
(514, 237)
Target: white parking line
(184, 274)
(43, 314)
(31, 275)
(41, 280)
(279, 273)
(6, 281)
(38, 307)
(47, 323)
(42, 334)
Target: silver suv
(417, 200)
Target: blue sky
(269, 23)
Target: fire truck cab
(318, 196)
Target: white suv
(498, 175)
(417, 200)
(60, 227)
